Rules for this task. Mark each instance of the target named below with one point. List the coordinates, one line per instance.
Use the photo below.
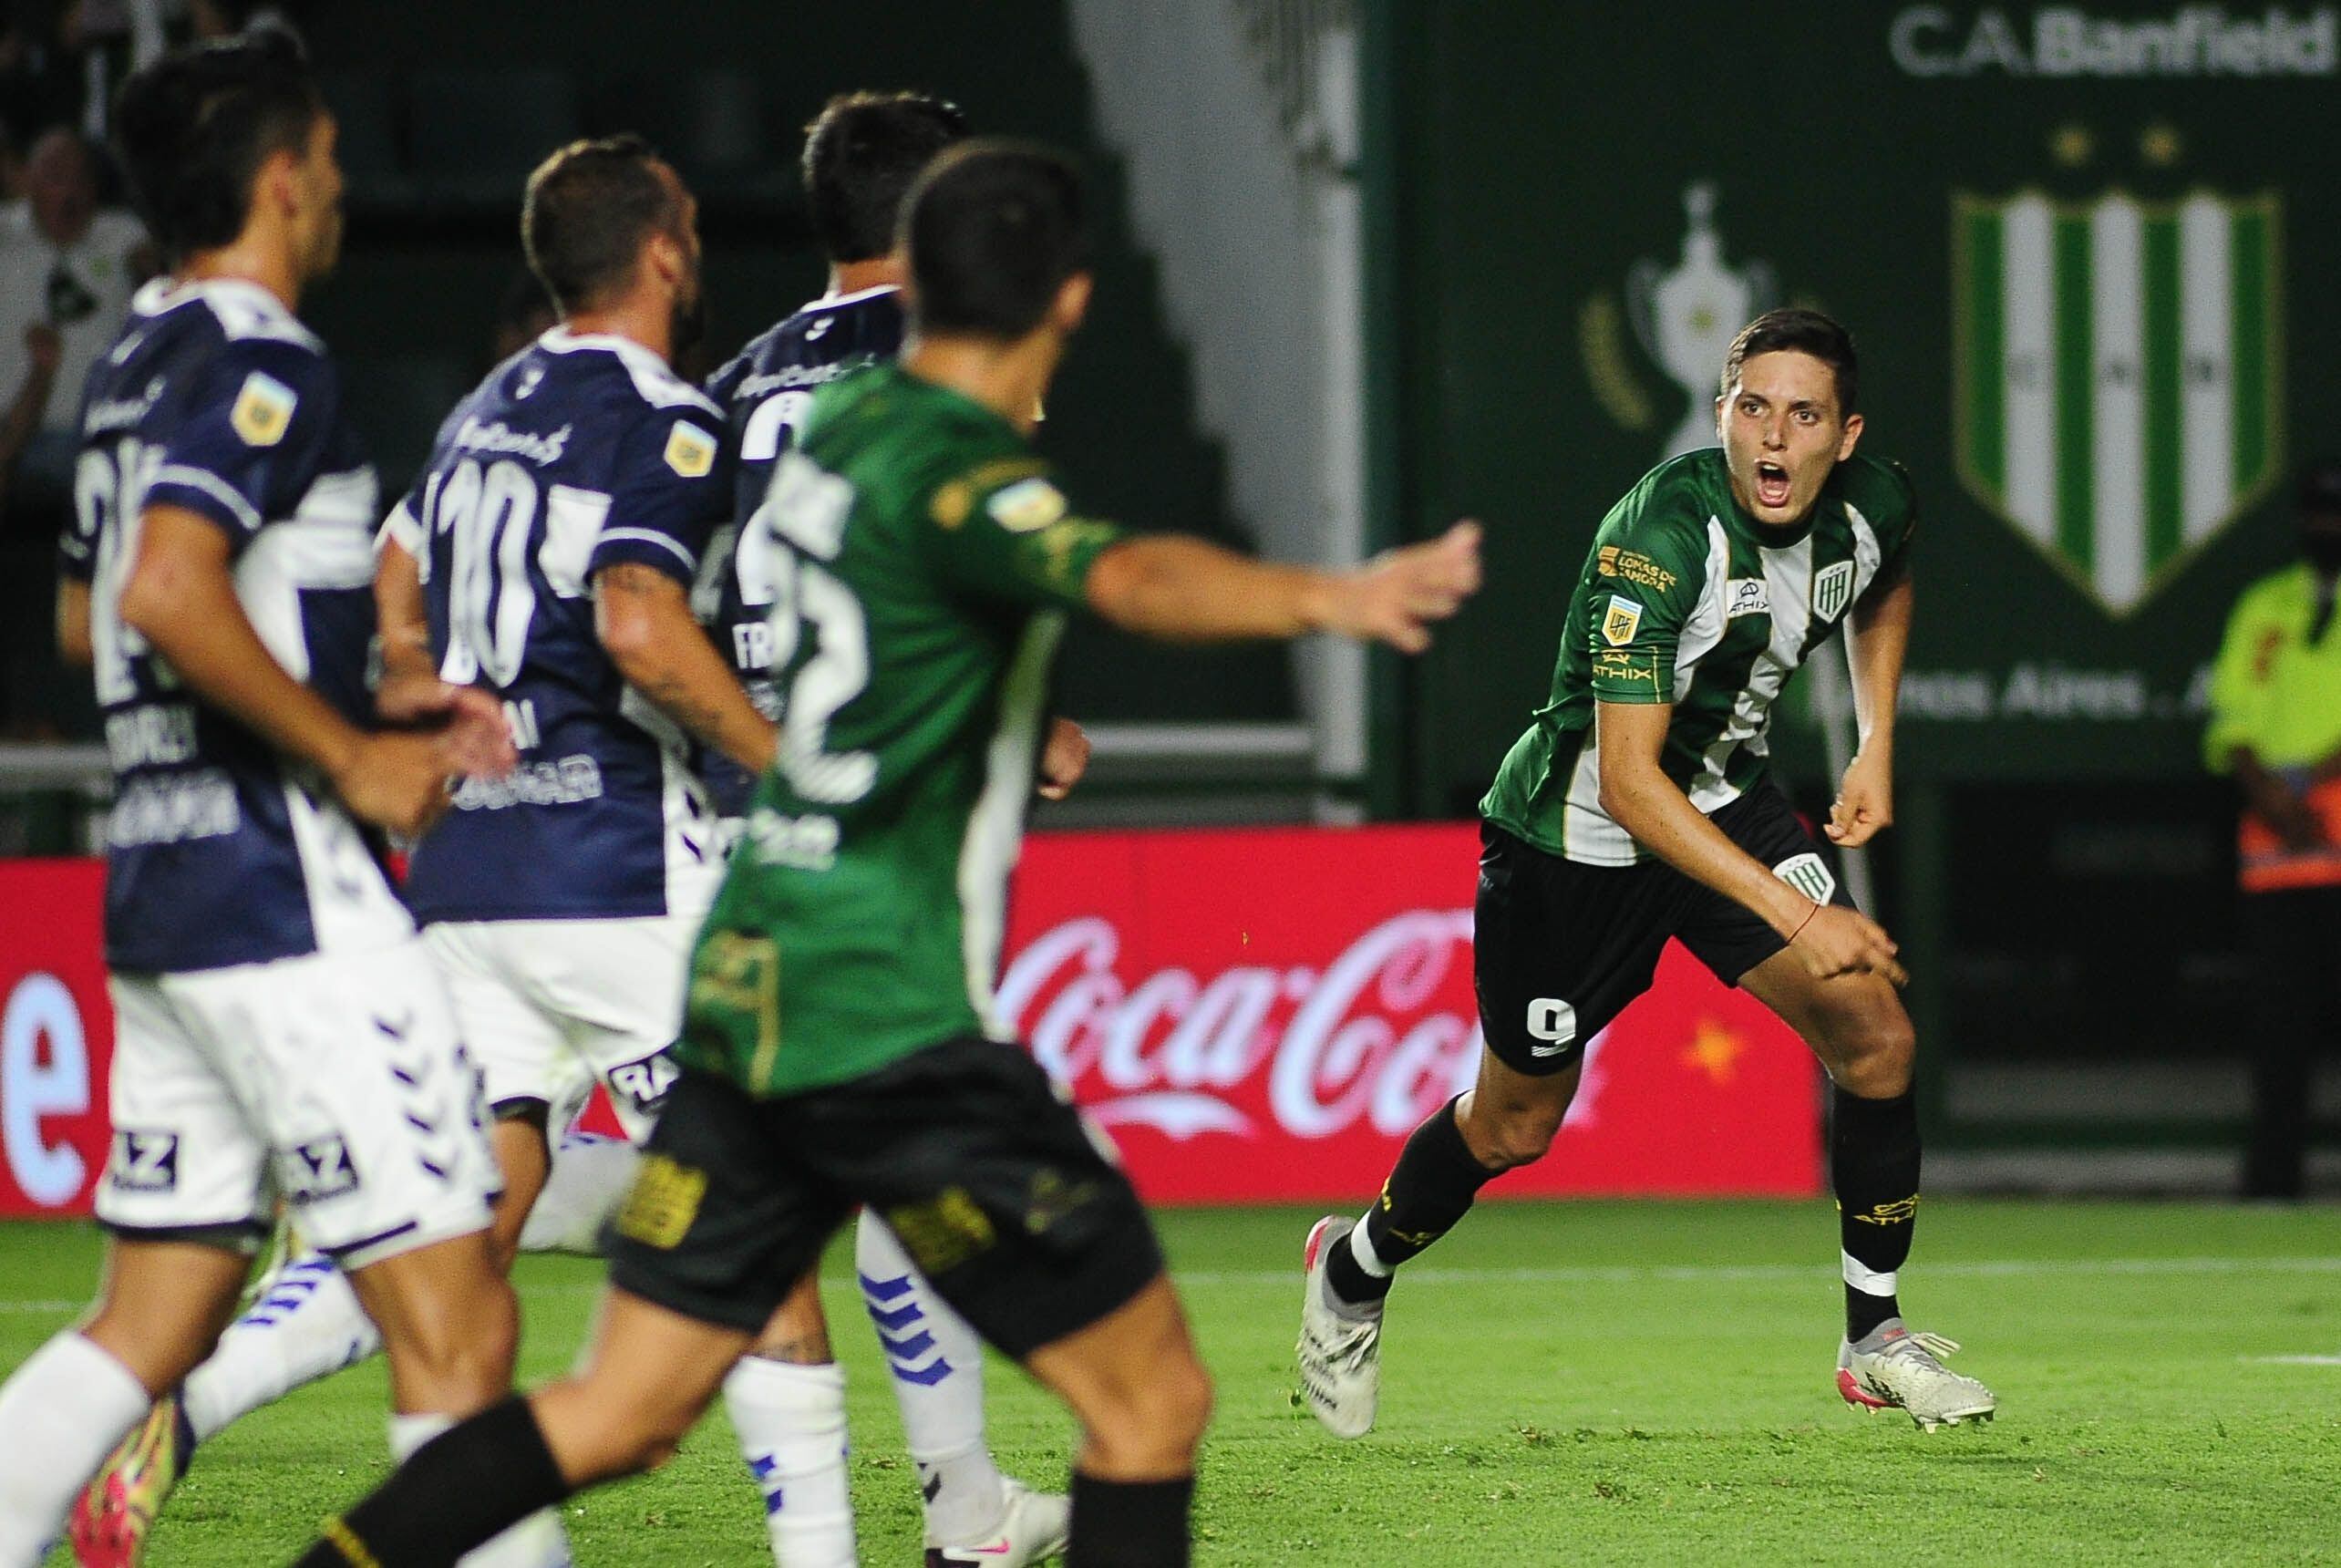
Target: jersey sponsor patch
(317, 1170)
(262, 411)
(690, 451)
(1027, 506)
(1620, 620)
(1747, 596)
(1809, 875)
(1634, 567)
(661, 1204)
(1832, 587)
(1616, 668)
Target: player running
(862, 152)
(1639, 806)
(840, 1047)
(280, 1032)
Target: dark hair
(192, 129)
(861, 153)
(992, 228)
(1805, 331)
(588, 209)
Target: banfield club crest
(2119, 397)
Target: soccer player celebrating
(839, 1046)
(1639, 807)
(861, 154)
(280, 1030)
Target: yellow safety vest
(2279, 694)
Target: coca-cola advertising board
(1255, 1015)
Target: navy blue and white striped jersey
(576, 454)
(220, 850)
(764, 392)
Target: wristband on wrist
(1802, 924)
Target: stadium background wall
(1575, 207)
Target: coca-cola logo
(1383, 1034)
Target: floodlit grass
(1583, 1383)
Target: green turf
(1581, 1383)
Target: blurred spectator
(110, 39)
(2275, 726)
(227, 18)
(67, 268)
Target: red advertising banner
(1255, 1016)
(56, 1036)
(1266, 1014)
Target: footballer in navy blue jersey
(579, 453)
(216, 401)
(281, 1041)
(764, 392)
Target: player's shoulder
(1666, 513)
(631, 377)
(1880, 489)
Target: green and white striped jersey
(1686, 598)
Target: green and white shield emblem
(2119, 398)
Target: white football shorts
(335, 1080)
(549, 1008)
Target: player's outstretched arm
(1877, 639)
(644, 619)
(1182, 589)
(1641, 798)
(181, 597)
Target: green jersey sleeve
(1002, 529)
(1647, 572)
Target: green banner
(2088, 252)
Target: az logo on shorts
(317, 1169)
(645, 1082)
(144, 1161)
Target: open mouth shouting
(1773, 485)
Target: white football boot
(1891, 1368)
(1341, 1342)
(1034, 1530)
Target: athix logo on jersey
(2118, 400)
(1747, 596)
(262, 411)
(1832, 587)
(1620, 620)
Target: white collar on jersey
(243, 307)
(653, 377)
(828, 300)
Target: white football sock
(937, 1361)
(60, 1415)
(304, 1324)
(589, 1178)
(1361, 1247)
(790, 1419)
(535, 1541)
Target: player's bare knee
(1502, 1138)
(461, 1348)
(1872, 1055)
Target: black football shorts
(992, 1182)
(1560, 948)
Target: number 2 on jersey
(806, 509)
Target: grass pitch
(1564, 1384)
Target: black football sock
(1431, 1187)
(1128, 1523)
(1873, 1166)
(465, 1487)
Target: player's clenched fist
(1394, 597)
(394, 781)
(1834, 941)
